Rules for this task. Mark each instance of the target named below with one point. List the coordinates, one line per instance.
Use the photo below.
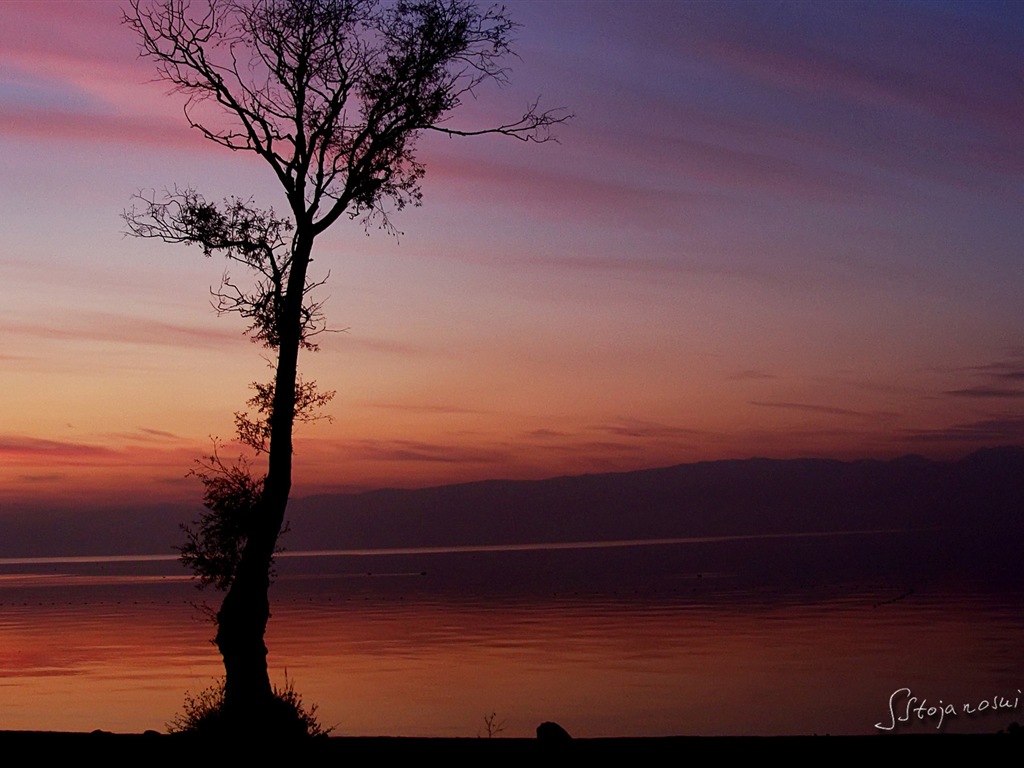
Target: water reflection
(430, 646)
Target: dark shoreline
(152, 744)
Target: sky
(771, 229)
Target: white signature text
(905, 708)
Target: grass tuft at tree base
(203, 715)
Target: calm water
(602, 641)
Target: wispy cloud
(1005, 429)
(899, 102)
(42, 478)
(159, 433)
(596, 449)
(417, 451)
(1012, 368)
(986, 392)
(751, 375)
(546, 434)
(809, 407)
(125, 329)
(428, 409)
(22, 446)
(998, 374)
(146, 435)
(384, 346)
(61, 126)
(551, 192)
(819, 50)
(647, 430)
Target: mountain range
(955, 516)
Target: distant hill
(979, 495)
(974, 502)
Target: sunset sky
(772, 229)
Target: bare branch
(532, 126)
(334, 94)
(258, 239)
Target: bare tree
(332, 95)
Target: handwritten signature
(902, 708)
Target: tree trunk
(241, 624)
(249, 704)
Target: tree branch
(533, 126)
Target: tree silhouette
(332, 95)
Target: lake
(608, 639)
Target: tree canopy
(333, 94)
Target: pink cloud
(419, 451)
(89, 31)
(996, 430)
(109, 327)
(383, 346)
(59, 125)
(649, 429)
(22, 447)
(811, 408)
(429, 409)
(931, 62)
(550, 191)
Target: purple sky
(771, 229)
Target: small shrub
(203, 714)
(292, 710)
(492, 725)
